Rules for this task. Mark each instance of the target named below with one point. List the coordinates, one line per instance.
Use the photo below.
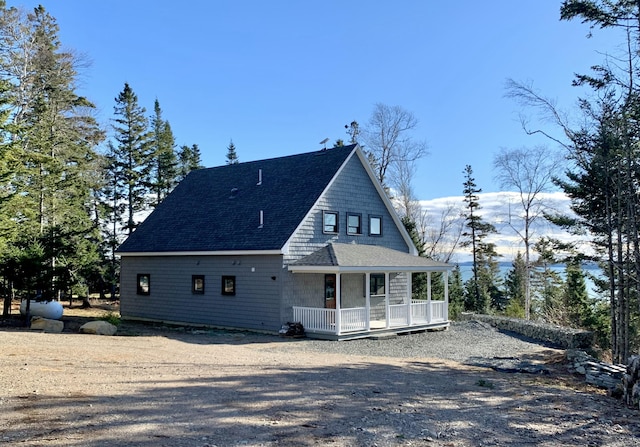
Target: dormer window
(354, 223)
(330, 222)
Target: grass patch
(111, 317)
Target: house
(310, 238)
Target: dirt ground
(158, 386)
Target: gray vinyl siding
(351, 192)
(256, 304)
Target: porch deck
(355, 322)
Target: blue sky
(278, 77)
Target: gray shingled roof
(365, 257)
(218, 209)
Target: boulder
(46, 325)
(98, 327)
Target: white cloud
(504, 211)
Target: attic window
(330, 222)
(354, 223)
(375, 225)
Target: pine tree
(478, 289)
(575, 297)
(165, 163)
(188, 160)
(232, 156)
(456, 293)
(515, 287)
(57, 138)
(132, 155)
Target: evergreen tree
(515, 287)
(232, 156)
(478, 289)
(575, 297)
(131, 155)
(165, 163)
(547, 284)
(456, 293)
(57, 139)
(188, 160)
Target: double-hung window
(354, 223)
(330, 222)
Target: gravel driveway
(200, 388)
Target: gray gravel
(467, 342)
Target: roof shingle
(218, 209)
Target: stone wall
(595, 372)
(560, 336)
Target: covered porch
(368, 290)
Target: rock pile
(631, 383)
(597, 373)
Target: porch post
(428, 297)
(367, 300)
(386, 298)
(338, 304)
(446, 295)
(409, 316)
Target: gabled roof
(336, 257)
(218, 209)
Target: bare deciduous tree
(389, 142)
(530, 171)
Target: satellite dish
(324, 142)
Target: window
(330, 291)
(197, 284)
(376, 284)
(353, 223)
(144, 284)
(375, 225)
(330, 222)
(228, 285)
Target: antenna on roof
(324, 142)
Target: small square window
(330, 222)
(228, 285)
(354, 225)
(197, 284)
(375, 225)
(144, 284)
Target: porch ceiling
(364, 258)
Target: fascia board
(203, 253)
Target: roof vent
(259, 177)
(261, 219)
(234, 193)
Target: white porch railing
(355, 319)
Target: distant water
(466, 270)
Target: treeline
(602, 179)
(71, 188)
